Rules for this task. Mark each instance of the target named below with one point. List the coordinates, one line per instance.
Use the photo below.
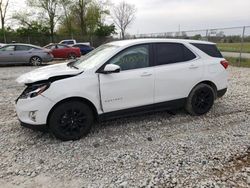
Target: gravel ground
(154, 150)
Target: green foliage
(33, 29)
(105, 30)
(93, 17)
(85, 18)
(234, 47)
(236, 62)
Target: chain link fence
(234, 42)
(42, 40)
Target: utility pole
(241, 45)
(179, 30)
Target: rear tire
(200, 100)
(36, 61)
(71, 120)
(72, 56)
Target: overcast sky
(166, 15)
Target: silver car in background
(24, 54)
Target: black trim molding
(42, 128)
(170, 105)
(221, 93)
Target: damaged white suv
(119, 79)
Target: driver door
(133, 86)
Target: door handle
(146, 74)
(11, 54)
(193, 66)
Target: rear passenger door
(177, 70)
(22, 53)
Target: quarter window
(132, 58)
(168, 53)
(209, 49)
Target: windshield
(95, 57)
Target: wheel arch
(210, 83)
(84, 100)
(35, 56)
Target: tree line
(71, 18)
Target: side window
(8, 48)
(209, 49)
(23, 48)
(132, 58)
(168, 53)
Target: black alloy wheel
(71, 120)
(200, 100)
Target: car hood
(45, 73)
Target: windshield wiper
(71, 64)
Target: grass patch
(233, 61)
(234, 47)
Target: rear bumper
(221, 93)
(48, 59)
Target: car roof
(67, 40)
(50, 44)
(23, 44)
(82, 43)
(152, 40)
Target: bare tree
(123, 15)
(51, 7)
(3, 11)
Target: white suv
(119, 79)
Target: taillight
(224, 63)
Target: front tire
(35, 61)
(71, 120)
(200, 100)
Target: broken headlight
(34, 90)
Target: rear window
(168, 53)
(209, 49)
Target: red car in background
(64, 51)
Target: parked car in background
(84, 48)
(64, 51)
(68, 42)
(2, 44)
(119, 79)
(24, 54)
(71, 42)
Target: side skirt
(169, 105)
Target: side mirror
(111, 68)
